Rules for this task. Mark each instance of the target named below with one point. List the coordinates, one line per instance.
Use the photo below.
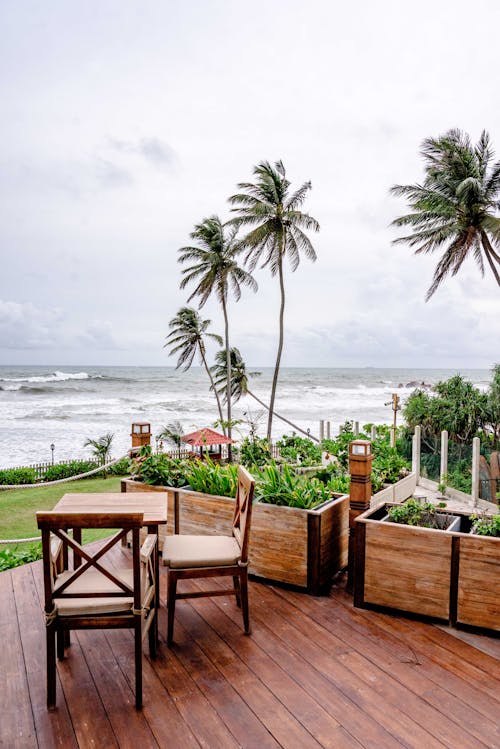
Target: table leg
(77, 536)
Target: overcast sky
(125, 123)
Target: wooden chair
(93, 595)
(189, 557)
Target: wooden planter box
(304, 548)
(446, 575)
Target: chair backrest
(243, 510)
(56, 541)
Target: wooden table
(153, 506)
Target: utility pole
(396, 406)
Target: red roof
(204, 437)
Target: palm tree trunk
(212, 387)
(228, 375)
(490, 255)
(280, 346)
(282, 418)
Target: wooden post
(360, 468)
(321, 430)
(476, 452)
(374, 433)
(415, 452)
(328, 430)
(355, 428)
(444, 455)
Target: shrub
(18, 476)
(255, 452)
(65, 470)
(122, 468)
(159, 469)
(414, 513)
(294, 449)
(486, 525)
(10, 558)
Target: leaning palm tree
(239, 383)
(273, 212)
(187, 338)
(455, 208)
(214, 269)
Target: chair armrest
(148, 546)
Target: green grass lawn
(18, 507)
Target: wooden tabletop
(153, 505)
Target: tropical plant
(212, 478)
(279, 486)
(493, 406)
(101, 447)
(214, 269)
(273, 212)
(455, 208)
(172, 433)
(187, 338)
(296, 449)
(255, 451)
(160, 470)
(239, 382)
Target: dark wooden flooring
(314, 673)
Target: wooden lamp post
(360, 468)
(141, 433)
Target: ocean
(64, 406)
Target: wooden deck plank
(405, 635)
(281, 722)
(406, 662)
(314, 673)
(16, 717)
(53, 728)
(88, 716)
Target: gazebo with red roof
(207, 438)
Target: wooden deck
(314, 673)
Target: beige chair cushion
(93, 581)
(200, 551)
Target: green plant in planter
(280, 486)
(211, 478)
(413, 513)
(160, 470)
(486, 525)
(255, 451)
(443, 484)
(301, 450)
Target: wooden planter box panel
(478, 597)
(288, 545)
(407, 568)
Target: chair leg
(60, 644)
(236, 580)
(152, 633)
(171, 594)
(244, 599)
(138, 663)
(51, 666)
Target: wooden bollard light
(360, 468)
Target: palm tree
(454, 209)
(239, 382)
(101, 447)
(172, 432)
(214, 269)
(187, 338)
(277, 224)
